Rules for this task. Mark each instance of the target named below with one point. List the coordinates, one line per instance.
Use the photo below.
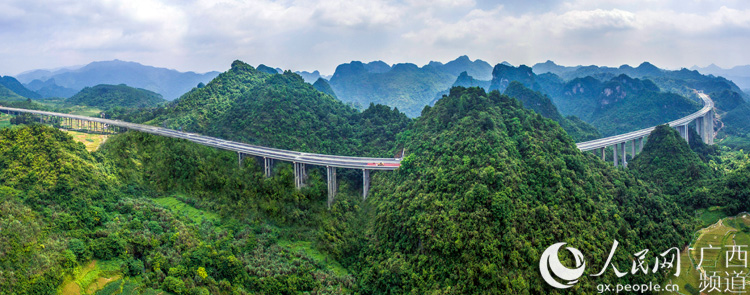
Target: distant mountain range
(645, 69)
(405, 86)
(740, 75)
(601, 99)
(65, 82)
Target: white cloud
(308, 34)
(596, 19)
(356, 13)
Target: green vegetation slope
(668, 162)
(486, 187)
(110, 96)
(278, 110)
(542, 104)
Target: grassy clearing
(307, 248)
(180, 208)
(4, 120)
(84, 111)
(70, 109)
(92, 277)
(711, 216)
(91, 141)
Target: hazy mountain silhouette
(169, 83)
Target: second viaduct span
(704, 121)
(703, 118)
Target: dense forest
(542, 104)
(63, 207)
(486, 188)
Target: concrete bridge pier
(365, 183)
(601, 151)
(267, 166)
(686, 131)
(683, 129)
(624, 155)
(614, 154)
(239, 159)
(709, 127)
(300, 174)
(331, 184)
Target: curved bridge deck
(703, 119)
(299, 159)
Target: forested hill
(486, 187)
(47, 184)
(282, 111)
(13, 85)
(622, 104)
(109, 96)
(617, 105)
(405, 86)
(7, 94)
(667, 161)
(681, 81)
(73, 220)
(542, 104)
(502, 75)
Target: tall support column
(331, 184)
(682, 130)
(699, 122)
(601, 150)
(687, 132)
(239, 159)
(632, 149)
(296, 176)
(709, 122)
(267, 166)
(300, 174)
(624, 154)
(614, 154)
(365, 183)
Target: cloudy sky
(205, 35)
